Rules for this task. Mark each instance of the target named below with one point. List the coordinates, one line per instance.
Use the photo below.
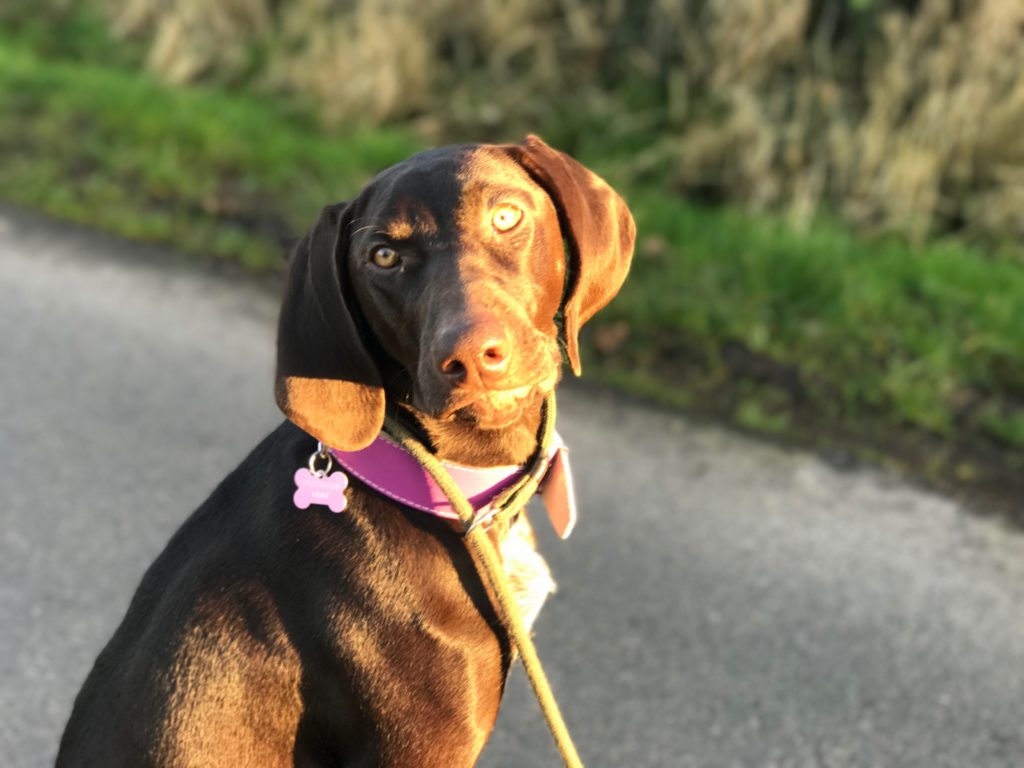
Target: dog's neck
(464, 442)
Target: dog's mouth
(493, 408)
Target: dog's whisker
(363, 229)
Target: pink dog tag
(320, 488)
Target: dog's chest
(528, 573)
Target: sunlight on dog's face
(457, 264)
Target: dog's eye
(504, 217)
(384, 257)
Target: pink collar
(387, 468)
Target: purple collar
(387, 468)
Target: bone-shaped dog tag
(320, 488)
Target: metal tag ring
(323, 453)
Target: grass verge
(910, 355)
(908, 352)
(212, 172)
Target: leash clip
(479, 520)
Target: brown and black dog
(268, 636)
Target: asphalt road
(722, 603)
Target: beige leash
(489, 565)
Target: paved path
(723, 602)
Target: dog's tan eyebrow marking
(411, 217)
(399, 230)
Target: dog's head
(440, 285)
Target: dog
(445, 294)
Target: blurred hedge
(903, 116)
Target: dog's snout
(482, 351)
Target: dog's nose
(483, 350)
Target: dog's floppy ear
(326, 381)
(598, 229)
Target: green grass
(215, 173)
(805, 334)
(874, 331)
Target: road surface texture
(722, 603)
